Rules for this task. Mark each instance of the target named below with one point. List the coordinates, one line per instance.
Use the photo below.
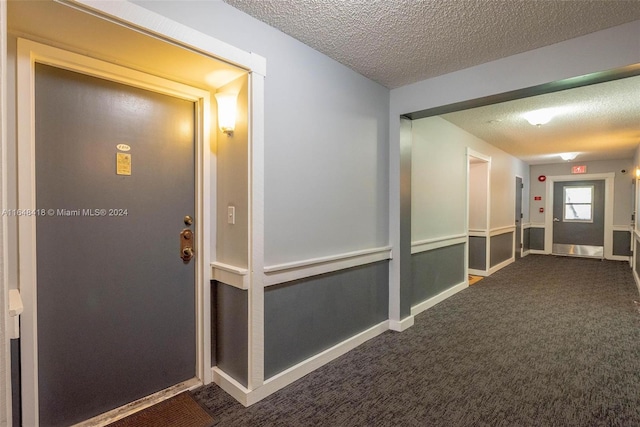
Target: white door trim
(255, 321)
(635, 229)
(5, 358)
(143, 20)
(485, 159)
(30, 53)
(160, 27)
(608, 208)
(521, 242)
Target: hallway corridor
(545, 341)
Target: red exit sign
(579, 169)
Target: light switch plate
(231, 215)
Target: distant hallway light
(568, 156)
(539, 117)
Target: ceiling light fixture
(568, 156)
(539, 117)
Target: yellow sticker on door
(123, 164)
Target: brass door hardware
(186, 245)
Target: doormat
(474, 279)
(179, 411)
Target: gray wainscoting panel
(477, 253)
(231, 331)
(637, 256)
(536, 241)
(622, 243)
(526, 239)
(308, 316)
(214, 322)
(436, 271)
(16, 383)
(501, 248)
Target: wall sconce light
(227, 106)
(637, 172)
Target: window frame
(564, 204)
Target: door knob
(556, 220)
(187, 254)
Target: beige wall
(622, 194)
(438, 183)
(232, 182)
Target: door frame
(147, 22)
(635, 229)
(608, 208)
(30, 53)
(6, 406)
(521, 226)
(485, 231)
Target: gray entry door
(115, 303)
(518, 218)
(578, 218)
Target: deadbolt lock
(186, 245)
(188, 220)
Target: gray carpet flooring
(547, 341)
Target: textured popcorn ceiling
(397, 42)
(598, 122)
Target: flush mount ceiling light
(568, 156)
(539, 117)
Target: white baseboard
(611, 257)
(618, 258)
(249, 397)
(502, 265)
(401, 325)
(538, 252)
(424, 305)
(230, 385)
(490, 271)
(475, 272)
